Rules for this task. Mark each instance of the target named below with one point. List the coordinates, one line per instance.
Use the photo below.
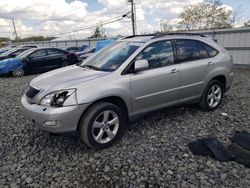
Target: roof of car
(147, 37)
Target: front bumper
(53, 120)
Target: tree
(99, 32)
(4, 39)
(34, 38)
(210, 14)
(165, 26)
(247, 23)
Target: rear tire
(101, 125)
(212, 96)
(18, 73)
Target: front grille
(32, 92)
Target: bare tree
(165, 26)
(210, 14)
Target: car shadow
(71, 144)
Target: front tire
(212, 96)
(101, 125)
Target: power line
(108, 11)
(115, 19)
(94, 26)
(118, 18)
(105, 13)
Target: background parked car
(103, 43)
(10, 48)
(12, 53)
(36, 60)
(5, 49)
(76, 49)
(29, 46)
(86, 53)
(91, 50)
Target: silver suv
(134, 76)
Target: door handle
(174, 71)
(210, 64)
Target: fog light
(52, 123)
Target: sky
(61, 17)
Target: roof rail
(178, 33)
(157, 35)
(144, 35)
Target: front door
(159, 85)
(37, 61)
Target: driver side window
(158, 54)
(38, 54)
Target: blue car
(11, 65)
(36, 60)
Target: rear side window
(187, 50)
(55, 52)
(210, 50)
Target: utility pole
(132, 15)
(14, 26)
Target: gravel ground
(152, 153)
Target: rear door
(195, 65)
(159, 85)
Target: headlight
(57, 98)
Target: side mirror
(141, 65)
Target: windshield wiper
(95, 68)
(91, 67)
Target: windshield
(111, 57)
(8, 52)
(25, 53)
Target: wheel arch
(222, 79)
(118, 101)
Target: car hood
(65, 78)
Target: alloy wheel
(18, 73)
(105, 126)
(214, 96)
